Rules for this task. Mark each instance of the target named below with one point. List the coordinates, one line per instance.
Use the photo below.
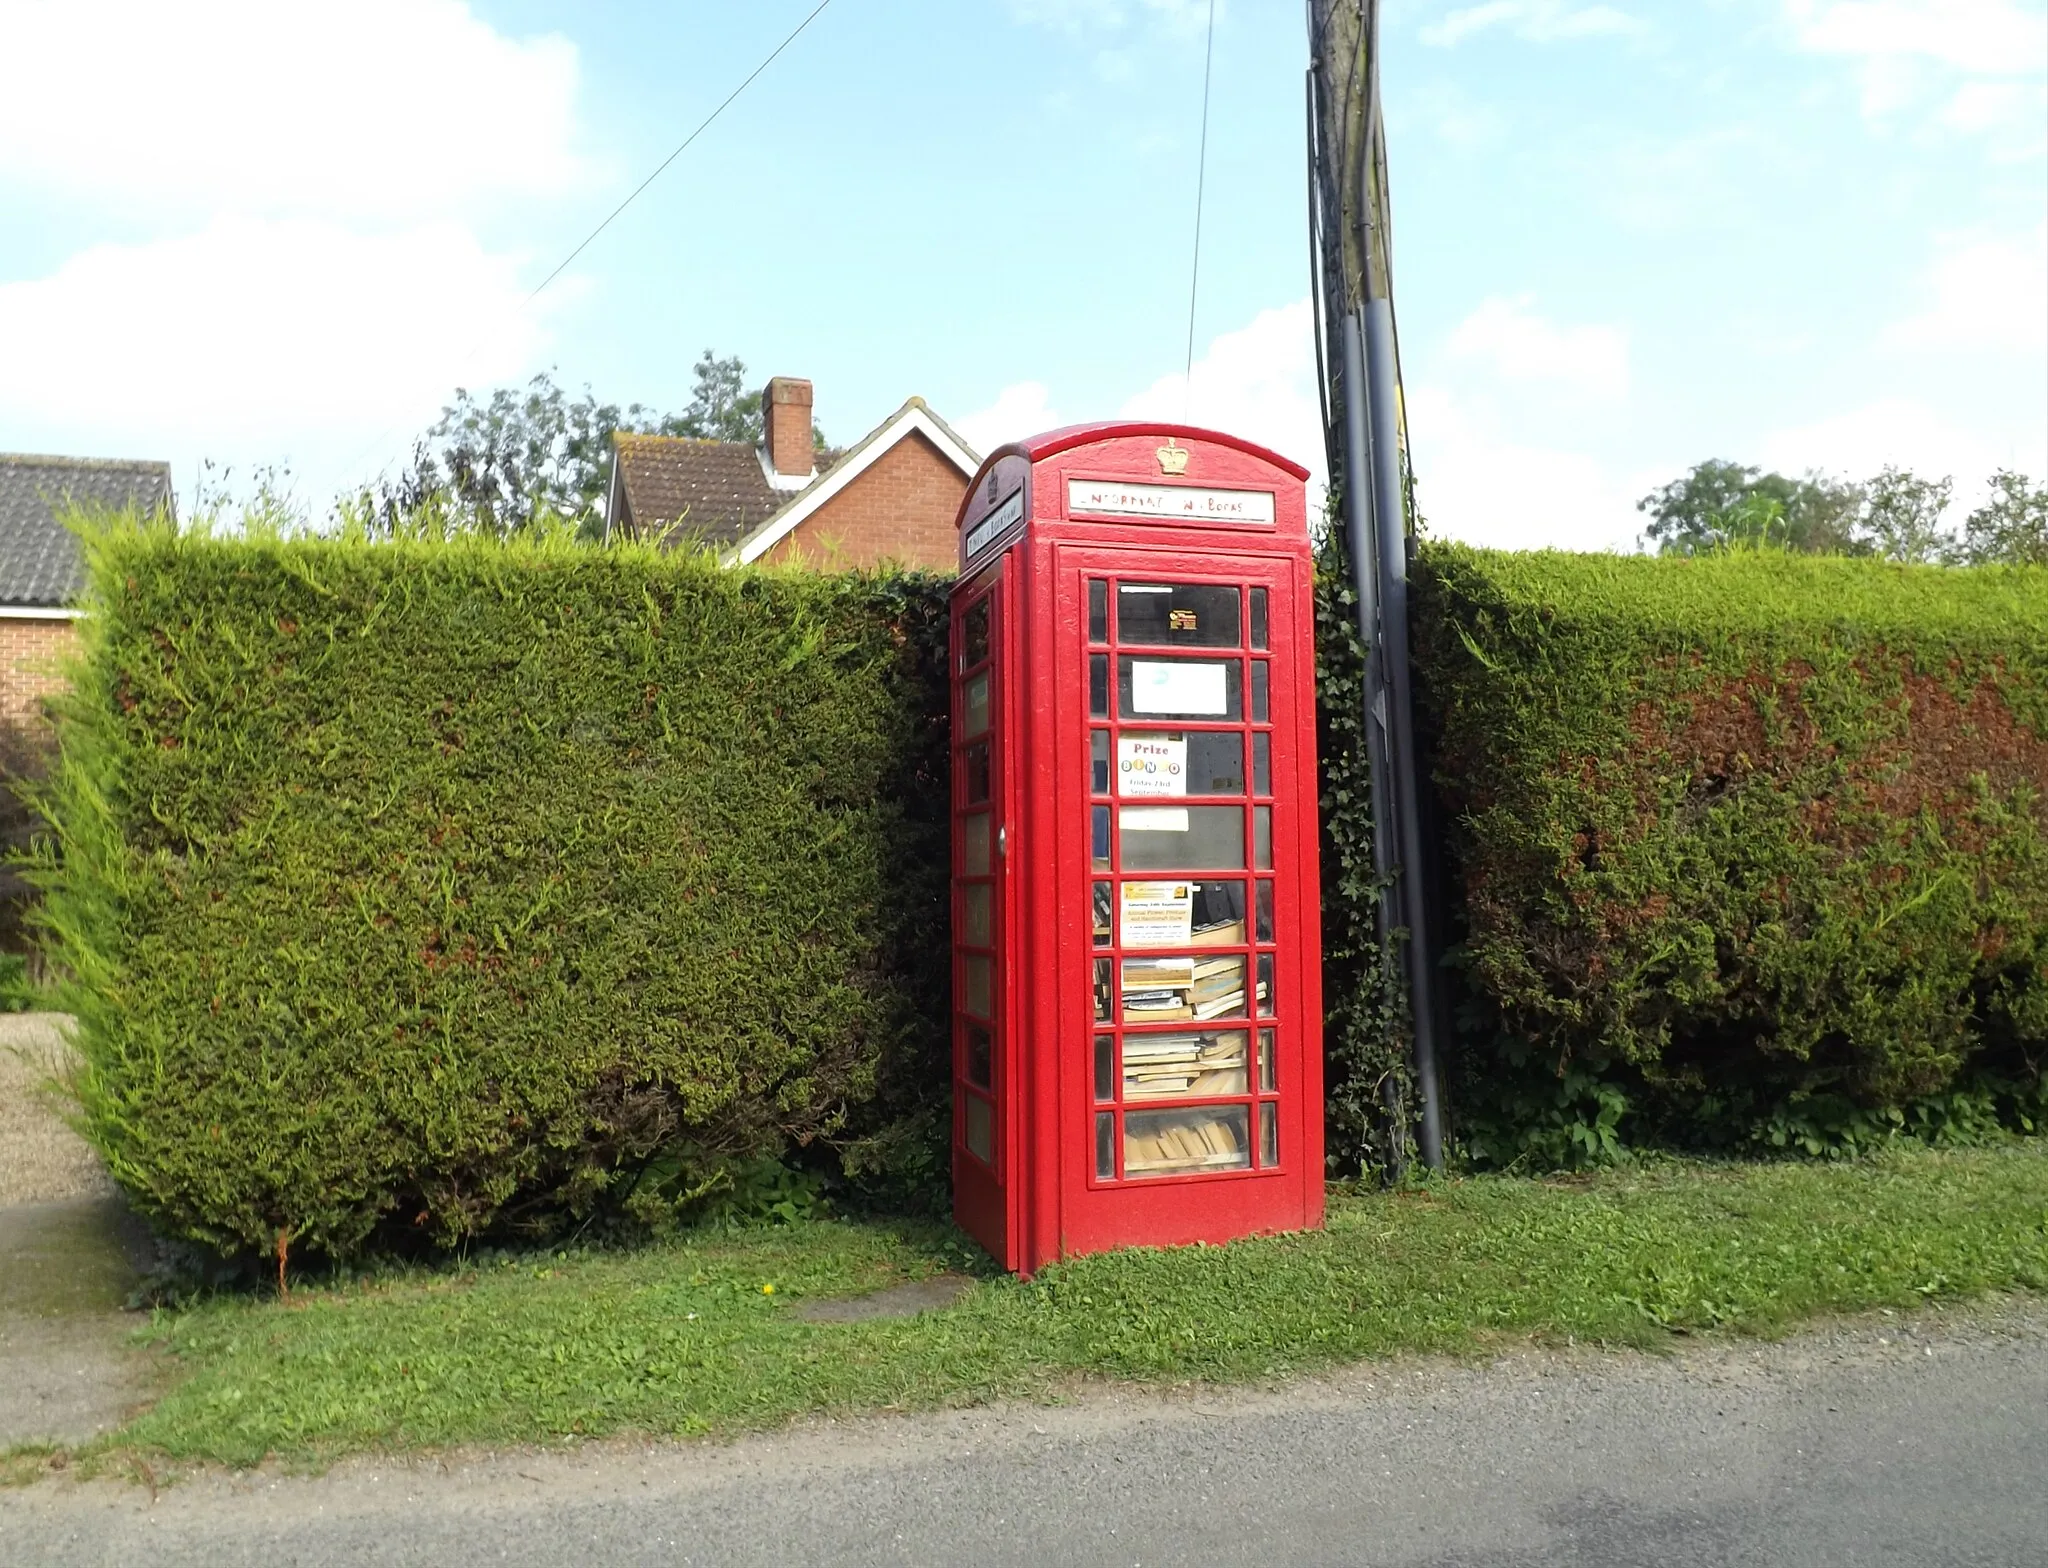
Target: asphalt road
(1918, 1441)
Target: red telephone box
(1137, 1023)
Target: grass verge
(686, 1338)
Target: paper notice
(1181, 687)
(1151, 766)
(1153, 819)
(1158, 914)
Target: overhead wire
(633, 195)
(1187, 385)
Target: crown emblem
(1173, 457)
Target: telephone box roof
(1051, 443)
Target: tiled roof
(39, 559)
(709, 490)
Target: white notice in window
(1153, 819)
(1151, 765)
(1180, 687)
(1158, 914)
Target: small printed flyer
(1151, 766)
(1157, 914)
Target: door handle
(1003, 841)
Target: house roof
(40, 565)
(714, 491)
(914, 416)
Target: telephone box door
(1190, 885)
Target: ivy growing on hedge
(1737, 834)
(444, 886)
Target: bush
(1754, 845)
(437, 887)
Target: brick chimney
(786, 426)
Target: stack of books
(1156, 1144)
(1172, 990)
(1157, 1065)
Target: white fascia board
(786, 521)
(38, 612)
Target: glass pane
(1098, 610)
(1159, 1066)
(1183, 838)
(974, 773)
(1105, 1146)
(1219, 987)
(1158, 990)
(1103, 990)
(1262, 838)
(1269, 1134)
(1215, 763)
(974, 705)
(977, 922)
(1265, 985)
(1103, 907)
(1264, 918)
(976, 985)
(980, 1057)
(1262, 763)
(1258, 691)
(974, 845)
(1098, 685)
(974, 635)
(1258, 617)
(981, 1129)
(1269, 1068)
(1105, 1067)
(1098, 762)
(1167, 1143)
(1185, 615)
(1218, 914)
(1099, 838)
(1179, 688)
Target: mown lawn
(687, 1337)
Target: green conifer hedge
(1742, 828)
(445, 885)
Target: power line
(1187, 385)
(703, 126)
(583, 245)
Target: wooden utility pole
(1366, 438)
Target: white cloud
(1539, 21)
(1989, 37)
(1021, 410)
(1905, 432)
(259, 340)
(1475, 481)
(1258, 382)
(1990, 294)
(374, 108)
(1520, 346)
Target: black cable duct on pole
(1363, 426)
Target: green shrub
(1752, 848)
(437, 887)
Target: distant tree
(1717, 505)
(1901, 517)
(521, 459)
(2011, 527)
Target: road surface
(1920, 1441)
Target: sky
(1807, 234)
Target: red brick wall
(29, 651)
(900, 509)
